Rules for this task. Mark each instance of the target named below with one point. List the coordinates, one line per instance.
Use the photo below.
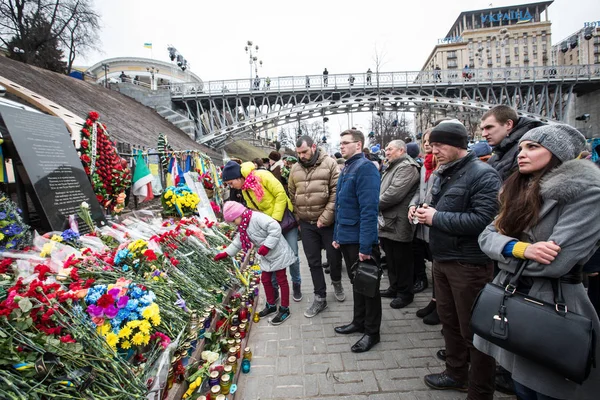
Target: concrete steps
(179, 120)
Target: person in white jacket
(274, 254)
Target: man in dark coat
(355, 232)
(502, 128)
(464, 201)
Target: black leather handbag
(367, 275)
(545, 333)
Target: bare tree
(389, 126)
(288, 134)
(28, 27)
(81, 34)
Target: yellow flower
(56, 238)
(150, 311)
(137, 339)
(112, 339)
(125, 344)
(1, 236)
(47, 249)
(155, 320)
(146, 339)
(104, 329)
(133, 324)
(145, 327)
(125, 332)
(155, 278)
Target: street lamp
(253, 59)
(106, 69)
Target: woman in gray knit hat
(542, 206)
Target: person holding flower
(274, 254)
(263, 192)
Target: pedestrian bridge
(228, 110)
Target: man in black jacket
(502, 128)
(463, 203)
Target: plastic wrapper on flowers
(14, 233)
(179, 201)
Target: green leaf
(25, 304)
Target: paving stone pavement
(305, 359)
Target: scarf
(253, 183)
(312, 161)
(429, 165)
(243, 230)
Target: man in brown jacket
(312, 186)
(399, 183)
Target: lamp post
(106, 69)
(152, 71)
(251, 50)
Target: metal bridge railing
(386, 80)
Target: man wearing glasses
(355, 232)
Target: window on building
(534, 49)
(525, 50)
(544, 47)
(452, 54)
(498, 60)
(516, 50)
(571, 57)
(534, 39)
(452, 64)
(517, 57)
(597, 59)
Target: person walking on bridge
(369, 76)
(312, 186)
(325, 77)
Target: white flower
(85, 205)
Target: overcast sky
(298, 38)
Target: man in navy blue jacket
(355, 231)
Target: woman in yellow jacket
(263, 192)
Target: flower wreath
(109, 173)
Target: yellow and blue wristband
(515, 249)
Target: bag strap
(559, 300)
(253, 203)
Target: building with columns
(512, 36)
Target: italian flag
(142, 180)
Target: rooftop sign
(511, 15)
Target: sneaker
(268, 310)
(297, 296)
(338, 290)
(282, 315)
(318, 305)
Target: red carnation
(93, 115)
(150, 255)
(99, 198)
(84, 144)
(89, 122)
(85, 132)
(105, 300)
(42, 271)
(67, 339)
(87, 170)
(85, 158)
(174, 261)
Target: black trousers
(313, 240)
(420, 254)
(367, 310)
(400, 267)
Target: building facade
(509, 36)
(580, 48)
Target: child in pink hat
(274, 254)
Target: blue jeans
(292, 239)
(524, 393)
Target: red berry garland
(109, 173)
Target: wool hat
(338, 155)
(481, 149)
(564, 141)
(275, 156)
(232, 210)
(231, 171)
(412, 149)
(451, 132)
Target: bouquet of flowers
(179, 201)
(14, 233)
(207, 181)
(108, 172)
(125, 314)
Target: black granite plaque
(46, 161)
